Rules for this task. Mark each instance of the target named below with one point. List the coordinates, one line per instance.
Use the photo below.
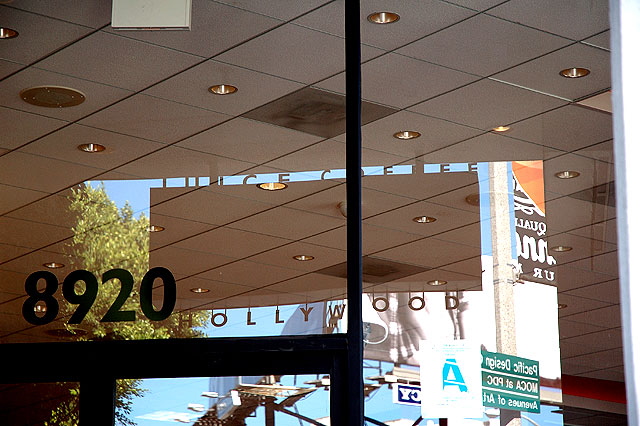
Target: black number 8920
(86, 299)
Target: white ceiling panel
(8, 67)
(417, 19)
(424, 80)
(592, 173)
(288, 223)
(8, 252)
(283, 9)
(582, 213)
(154, 119)
(601, 40)
(232, 243)
(581, 248)
(576, 304)
(187, 262)
(284, 257)
(435, 133)
(602, 263)
(575, 19)
(90, 13)
(431, 253)
(34, 40)
(96, 95)
(248, 273)
(14, 197)
(63, 145)
(569, 277)
(486, 104)
(608, 317)
(607, 292)
(40, 211)
(123, 62)
(543, 74)
(602, 151)
(175, 229)
(204, 206)
(489, 147)
(26, 233)
(290, 52)
(20, 127)
(214, 28)
(249, 140)
(447, 218)
(568, 128)
(601, 231)
(478, 5)
(254, 88)
(16, 169)
(615, 373)
(483, 45)
(572, 328)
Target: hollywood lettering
(336, 312)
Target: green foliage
(105, 238)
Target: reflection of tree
(105, 238)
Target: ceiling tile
(569, 277)
(260, 142)
(20, 127)
(8, 67)
(27, 233)
(283, 9)
(284, 256)
(14, 197)
(543, 74)
(435, 133)
(63, 145)
(122, 62)
(249, 274)
(486, 104)
(606, 339)
(254, 88)
(232, 243)
(96, 95)
(615, 374)
(175, 229)
(215, 27)
(90, 13)
(606, 317)
(477, 4)
(34, 40)
(602, 151)
(572, 328)
(379, 74)
(183, 261)
(575, 19)
(592, 173)
(483, 45)
(154, 119)
(17, 168)
(489, 147)
(568, 128)
(601, 40)
(417, 19)
(601, 231)
(602, 263)
(582, 213)
(290, 52)
(288, 223)
(576, 304)
(432, 253)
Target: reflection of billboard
(469, 316)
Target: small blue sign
(406, 394)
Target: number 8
(35, 296)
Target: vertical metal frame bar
(355, 384)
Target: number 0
(146, 296)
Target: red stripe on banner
(603, 390)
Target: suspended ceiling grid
(450, 70)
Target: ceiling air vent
(375, 270)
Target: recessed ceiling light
(424, 219)
(562, 305)
(52, 96)
(223, 89)
(53, 265)
(567, 174)
(7, 33)
(272, 186)
(40, 309)
(501, 129)
(383, 17)
(199, 290)
(436, 282)
(473, 199)
(574, 72)
(303, 257)
(561, 249)
(406, 134)
(91, 147)
(155, 228)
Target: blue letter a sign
(452, 376)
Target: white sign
(450, 375)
